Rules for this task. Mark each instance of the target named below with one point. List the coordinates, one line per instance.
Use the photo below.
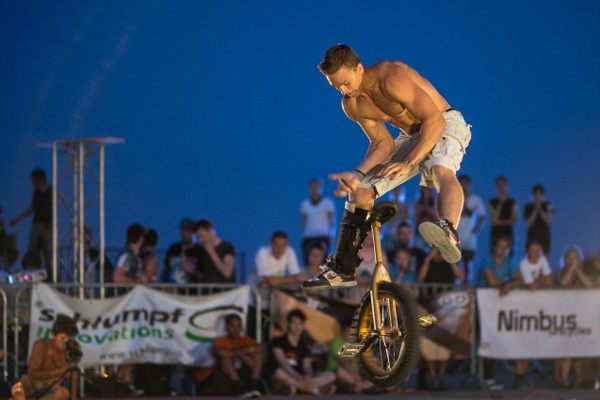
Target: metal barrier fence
(22, 299)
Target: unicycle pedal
(350, 350)
(427, 320)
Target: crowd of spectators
(202, 256)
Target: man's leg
(339, 269)
(450, 194)
(442, 234)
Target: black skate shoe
(443, 237)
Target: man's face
(315, 189)
(234, 328)
(37, 183)
(60, 339)
(203, 235)
(278, 247)
(296, 326)
(501, 249)
(404, 234)
(315, 257)
(403, 259)
(186, 235)
(347, 80)
(534, 252)
(538, 196)
(502, 187)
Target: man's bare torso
(374, 105)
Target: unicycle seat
(383, 212)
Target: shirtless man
(47, 370)
(433, 138)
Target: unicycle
(386, 326)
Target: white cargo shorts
(448, 153)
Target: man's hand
(347, 182)
(396, 169)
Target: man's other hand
(395, 170)
(348, 182)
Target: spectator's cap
(186, 224)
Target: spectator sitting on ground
(219, 256)
(571, 275)
(498, 270)
(238, 360)
(290, 363)
(49, 376)
(182, 263)
(277, 265)
(148, 255)
(347, 371)
(536, 274)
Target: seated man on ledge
(48, 372)
(238, 360)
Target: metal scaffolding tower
(85, 158)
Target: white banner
(541, 324)
(145, 325)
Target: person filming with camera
(52, 368)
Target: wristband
(359, 173)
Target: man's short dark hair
(402, 225)
(337, 56)
(39, 174)
(318, 246)
(501, 178)
(464, 177)
(279, 235)
(64, 324)
(231, 317)
(296, 313)
(134, 233)
(203, 224)
(533, 242)
(538, 188)
(150, 238)
(504, 238)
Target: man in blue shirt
(498, 270)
